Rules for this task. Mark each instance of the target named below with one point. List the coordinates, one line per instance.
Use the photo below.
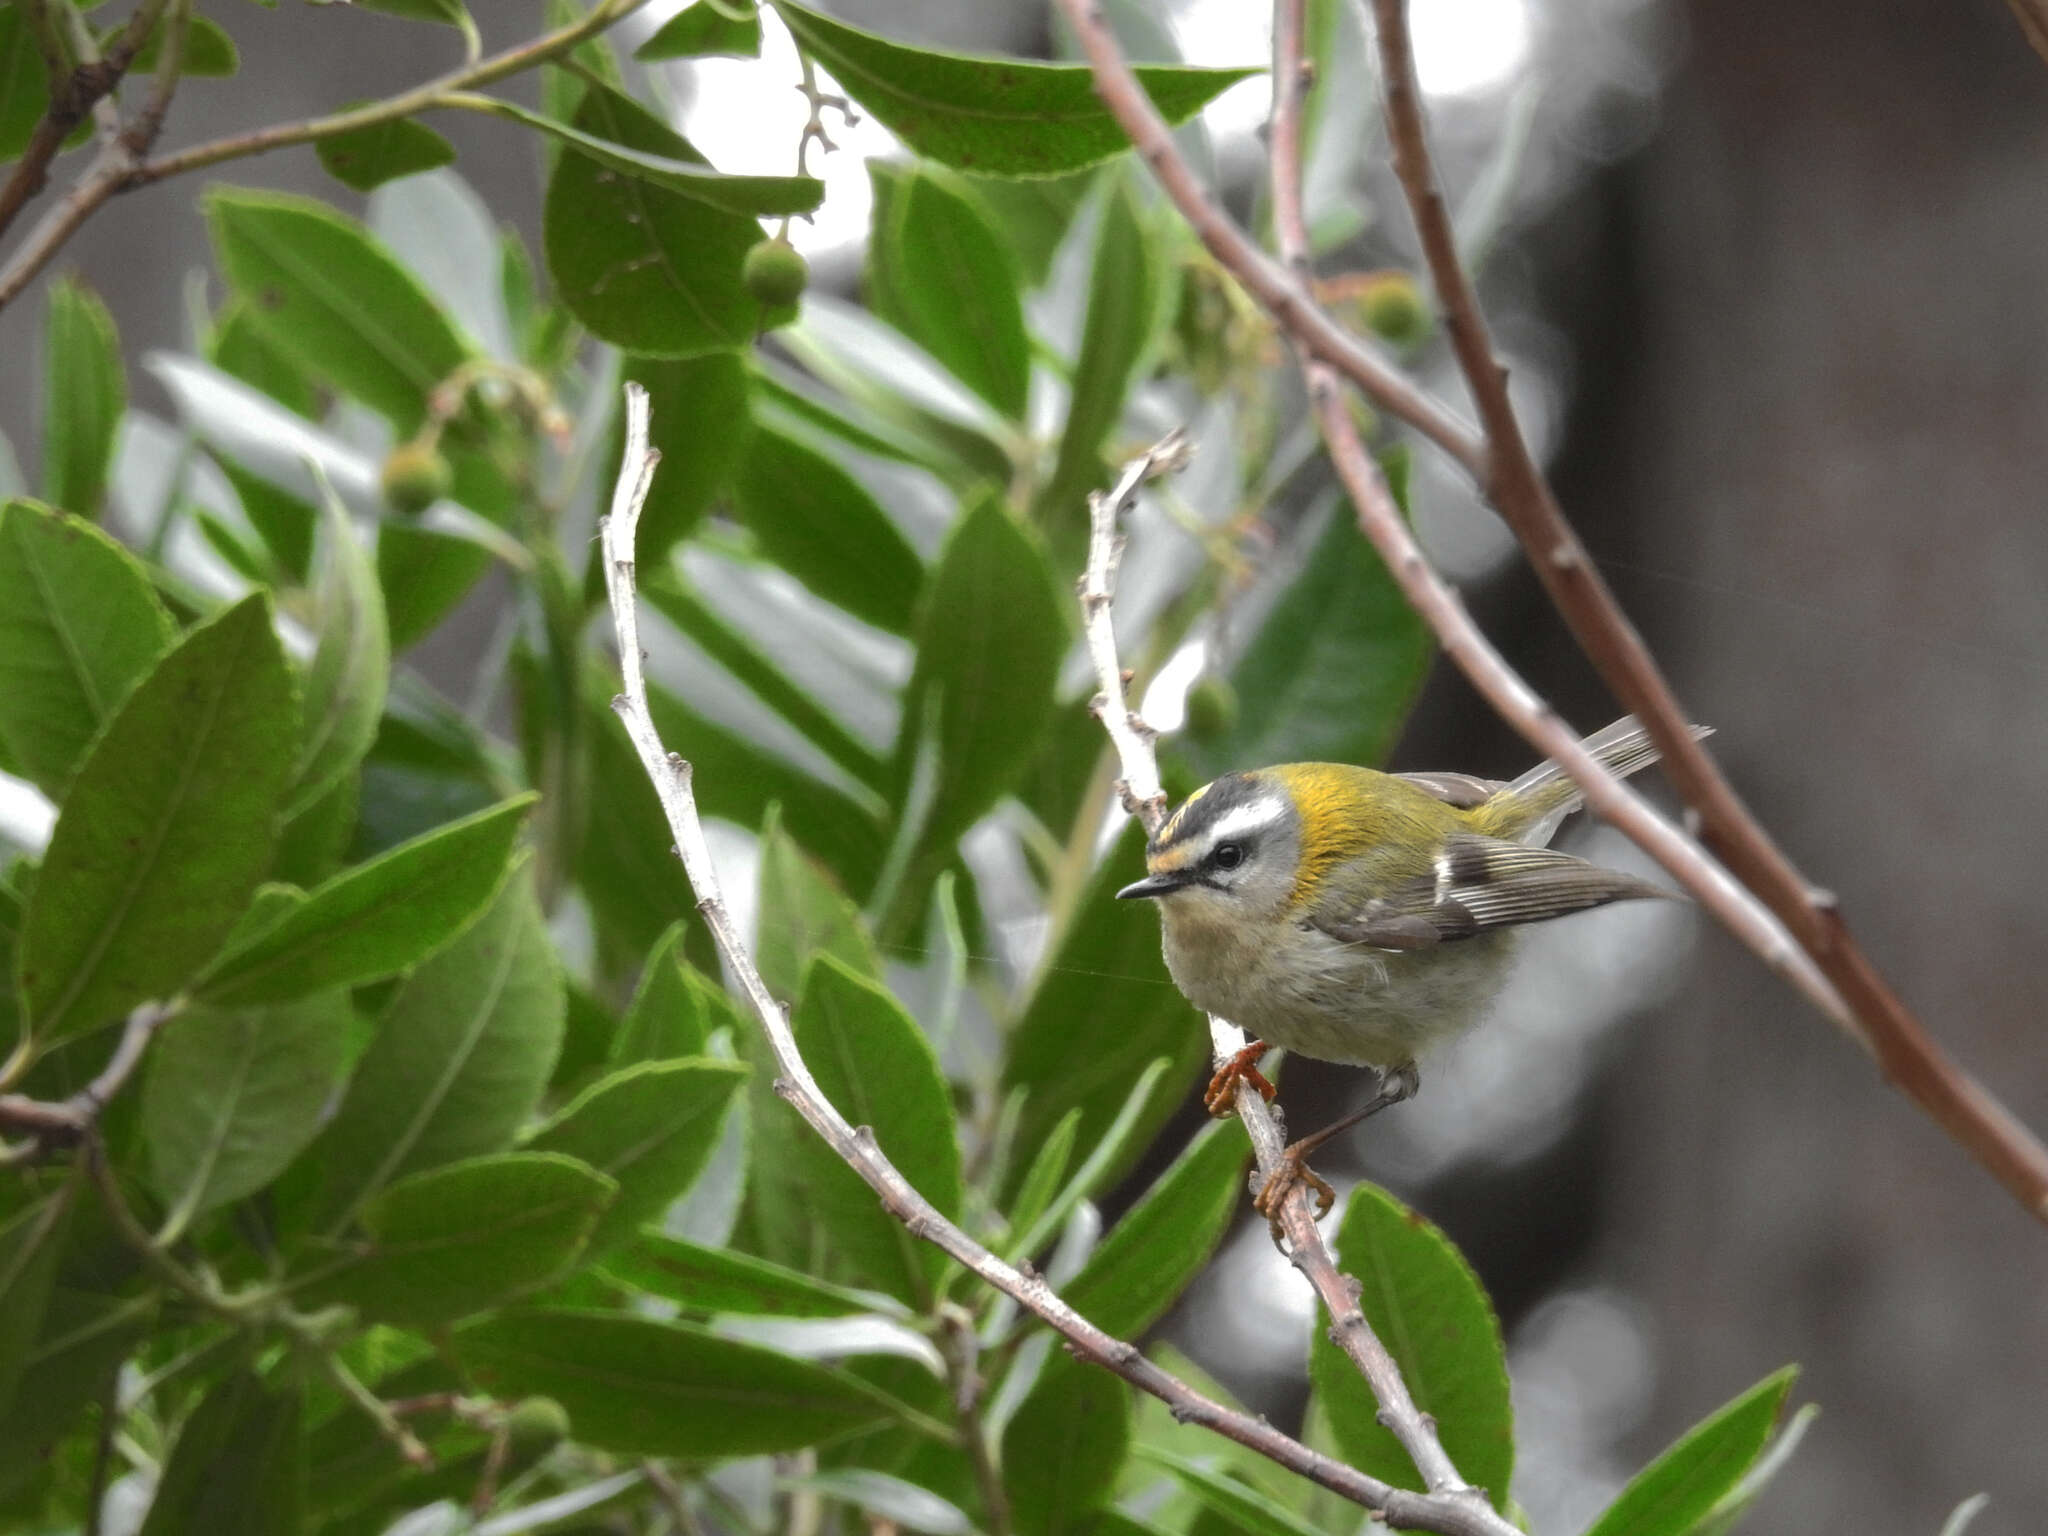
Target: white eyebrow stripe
(1242, 819)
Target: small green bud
(775, 273)
(535, 1426)
(1212, 708)
(1394, 309)
(415, 476)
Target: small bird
(1358, 917)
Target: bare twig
(1868, 1013)
(65, 1121)
(856, 1146)
(1516, 486)
(118, 168)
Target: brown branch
(1516, 486)
(119, 168)
(63, 1122)
(1451, 1515)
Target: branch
(65, 1121)
(1516, 486)
(1955, 1101)
(121, 168)
(670, 774)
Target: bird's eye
(1227, 855)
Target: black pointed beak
(1150, 886)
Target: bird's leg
(1396, 1084)
(1221, 1099)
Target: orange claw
(1221, 1099)
(1288, 1172)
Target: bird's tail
(1545, 795)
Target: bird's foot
(1243, 1067)
(1292, 1170)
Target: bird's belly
(1341, 1002)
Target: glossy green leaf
(688, 176)
(818, 523)
(1131, 294)
(368, 157)
(1162, 1242)
(1333, 671)
(208, 52)
(1674, 1493)
(804, 914)
(31, 1243)
(453, 1241)
(701, 1279)
(1430, 1312)
(84, 394)
(376, 919)
(674, 1009)
(1103, 1008)
(239, 349)
(644, 267)
(238, 1464)
(1062, 1450)
(700, 421)
(641, 1387)
(1034, 215)
(993, 116)
(939, 272)
(233, 1095)
(351, 666)
(460, 1056)
(876, 1067)
(81, 1344)
(1245, 1508)
(79, 624)
(167, 828)
(650, 1127)
(1041, 1180)
(423, 575)
(327, 294)
(707, 27)
(989, 643)
(24, 83)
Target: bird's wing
(1479, 884)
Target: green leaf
(805, 914)
(351, 668)
(708, 1280)
(82, 1342)
(1062, 1450)
(757, 197)
(1675, 1492)
(232, 1096)
(641, 1387)
(1246, 1508)
(673, 1008)
(939, 272)
(460, 1056)
(84, 394)
(208, 53)
(704, 28)
(79, 624)
(1042, 1176)
(1034, 216)
(31, 1243)
(238, 1465)
(645, 267)
(1131, 295)
(1429, 1310)
(376, 919)
(423, 575)
(891, 1501)
(453, 1241)
(24, 83)
(993, 116)
(240, 350)
(818, 523)
(1162, 1242)
(989, 644)
(876, 1067)
(650, 1127)
(166, 830)
(328, 295)
(366, 158)
(1103, 1008)
(1334, 669)
(1117, 1146)
(700, 420)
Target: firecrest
(1359, 917)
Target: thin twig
(64, 1121)
(1910, 1060)
(1516, 486)
(117, 169)
(856, 1146)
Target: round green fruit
(775, 273)
(415, 476)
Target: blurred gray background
(1778, 287)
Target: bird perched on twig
(1358, 917)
